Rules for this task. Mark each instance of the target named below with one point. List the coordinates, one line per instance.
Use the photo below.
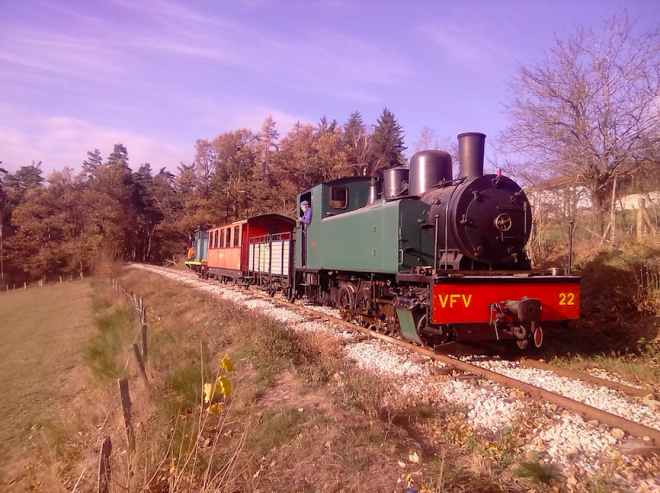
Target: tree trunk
(613, 211)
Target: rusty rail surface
(565, 372)
(584, 410)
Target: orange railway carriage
(228, 244)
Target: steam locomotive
(418, 253)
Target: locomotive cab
(327, 200)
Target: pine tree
(387, 144)
(326, 126)
(93, 161)
(148, 216)
(119, 156)
(357, 142)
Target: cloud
(232, 114)
(60, 141)
(33, 56)
(474, 49)
(314, 61)
(78, 52)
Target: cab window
(339, 197)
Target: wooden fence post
(143, 329)
(126, 409)
(140, 363)
(104, 466)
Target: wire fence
(139, 353)
(45, 281)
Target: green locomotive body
(432, 258)
(346, 234)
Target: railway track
(650, 435)
(587, 412)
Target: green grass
(539, 473)
(43, 332)
(107, 352)
(301, 417)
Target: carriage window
(212, 239)
(236, 236)
(222, 238)
(228, 244)
(339, 197)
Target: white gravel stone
(603, 398)
(566, 438)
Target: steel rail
(584, 410)
(565, 372)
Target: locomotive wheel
(345, 301)
(363, 301)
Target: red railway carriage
(230, 246)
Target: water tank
(395, 181)
(427, 169)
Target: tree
(357, 142)
(3, 172)
(326, 126)
(48, 224)
(110, 207)
(93, 161)
(268, 145)
(148, 215)
(428, 139)
(119, 156)
(17, 184)
(589, 110)
(205, 161)
(387, 144)
(236, 167)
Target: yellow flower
(215, 409)
(208, 392)
(226, 363)
(224, 385)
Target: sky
(158, 75)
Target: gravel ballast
(564, 439)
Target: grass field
(43, 333)
(300, 417)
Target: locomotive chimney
(374, 191)
(471, 149)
